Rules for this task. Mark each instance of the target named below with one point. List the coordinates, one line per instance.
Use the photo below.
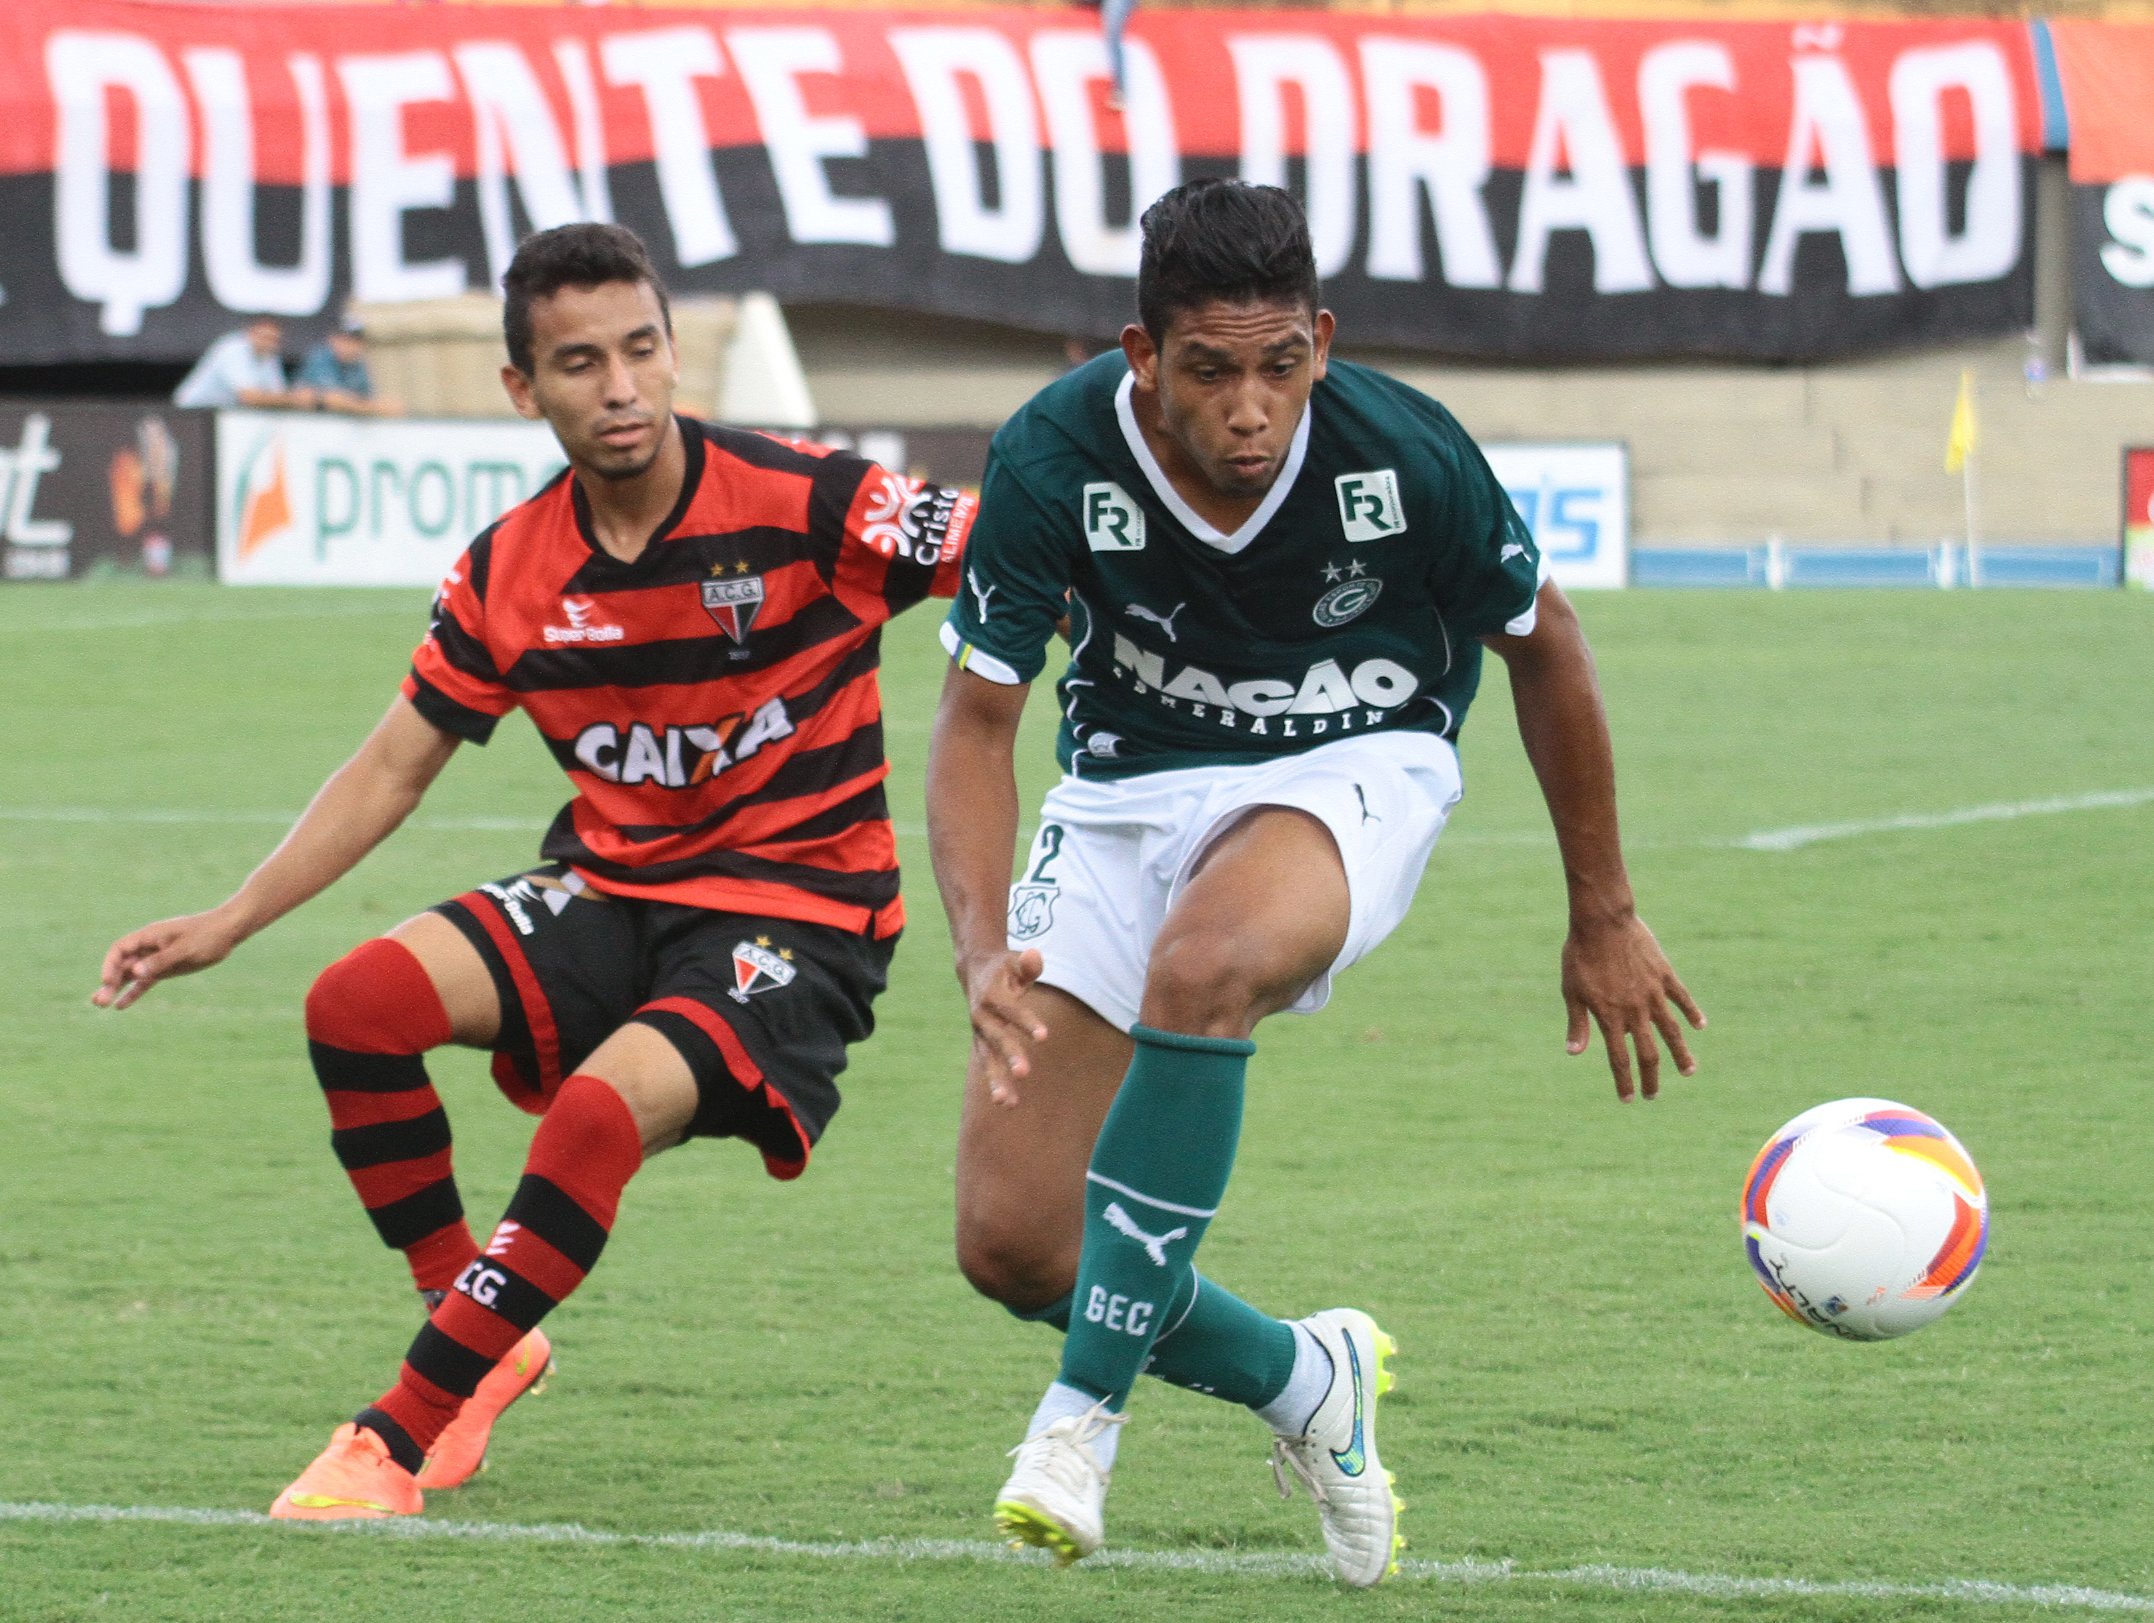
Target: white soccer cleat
(1336, 1457)
(1056, 1497)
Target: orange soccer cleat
(459, 1454)
(352, 1479)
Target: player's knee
(1205, 985)
(1021, 1271)
(376, 999)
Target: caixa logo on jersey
(678, 757)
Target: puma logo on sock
(1155, 1245)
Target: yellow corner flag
(1961, 444)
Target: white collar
(1193, 521)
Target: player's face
(603, 374)
(1232, 381)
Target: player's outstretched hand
(157, 952)
(1616, 977)
(1003, 1029)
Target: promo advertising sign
(327, 501)
(104, 486)
(2108, 73)
(2139, 515)
(1520, 187)
(1576, 501)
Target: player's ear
(1142, 355)
(518, 386)
(1325, 327)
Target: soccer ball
(1864, 1219)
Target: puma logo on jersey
(1165, 622)
(979, 592)
(1155, 1245)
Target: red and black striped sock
(582, 1157)
(370, 1015)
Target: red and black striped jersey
(715, 701)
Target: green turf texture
(1588, 1372)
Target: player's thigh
(765, 1012)
(654, 1080)
(1264, 912)
(566, 964)
(1021, 1168)
(460, 976)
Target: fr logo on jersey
(733, 604)
(1369, 506)
(1112, 521)
(757, 968)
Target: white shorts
(1110, 857)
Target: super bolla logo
(678, 757)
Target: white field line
(410, 608)
(2005, 811)
(1256, 1564)
(1771, 839)
(186, 816)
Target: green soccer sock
(1157, 1175)
(1223, 1346)
(1215, 1343)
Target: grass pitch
(1591, 1385)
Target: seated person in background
(243, 368)
(336, 370)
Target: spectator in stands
(243, 368)
(336, 370)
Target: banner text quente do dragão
(1481, 185)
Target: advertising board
(318, 501)
(331, 501)
(102, 487)
(2139, 516)
(1575, 498)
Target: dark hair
(1214, 240)
(582, 255)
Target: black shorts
(762, 1009)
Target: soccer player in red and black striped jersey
(689, 615)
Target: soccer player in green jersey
(1277, 573)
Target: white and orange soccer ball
(1864, 1219)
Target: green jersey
(1350, 602)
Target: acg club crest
(1346, 601)
(758, 968)
(733, 604)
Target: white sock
(1066, 1403)
(1290, 1412)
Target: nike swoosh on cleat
(1352, 1460)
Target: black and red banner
(1480, 185)
(2108, 74)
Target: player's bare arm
(972, 833)
(355, 810)
(1614, 974)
